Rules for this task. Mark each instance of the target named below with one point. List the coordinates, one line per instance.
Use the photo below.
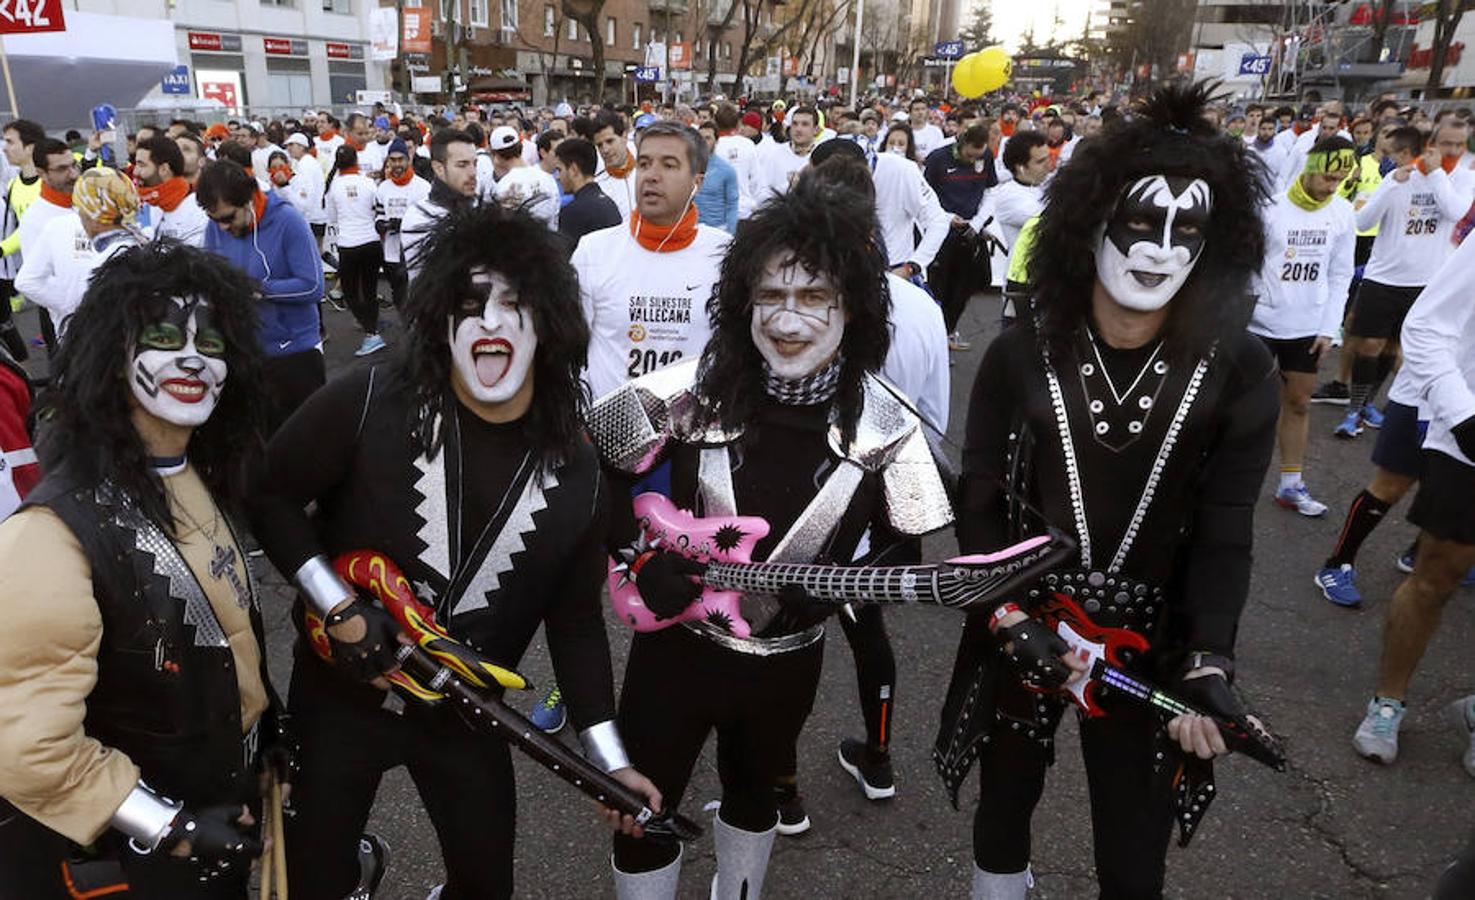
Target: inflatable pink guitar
(725, 545)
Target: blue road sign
(948, 49)
(648, 74)
(1254, 64)
(177, 81)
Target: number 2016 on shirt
(642, 361)
(1297, 271)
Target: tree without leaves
(1447, 16)
(752, 19)
(586, 13)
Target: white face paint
(1153, 240)
(492, 339)
(798, 318)
(178, 367)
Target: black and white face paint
(798, 319)
(493, 340)
(178, 368)
(1152, 242)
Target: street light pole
(860, 9)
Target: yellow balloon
(993, 69)
(967, 78)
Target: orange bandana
(258, 205)
(50, 195)
(622, 171)
(402, 181)
(1447, 163)
(166, 196)
(665, 238)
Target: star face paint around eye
(1154, 239)
(493, 340)
(178, 368)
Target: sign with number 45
(28, 16)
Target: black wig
(534, 260)
(825, 231)
(1167, 136)
(87, 427)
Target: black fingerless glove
(374, 653)
(1034, 651)
(665, 583)
(1213, 695)
(214, 836)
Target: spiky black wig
(1168, 136)
(827, 232)
(531, 257)
(88, 431)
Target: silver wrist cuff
(603, 746)
(145, 816)
(321, 585)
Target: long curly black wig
(824, 230)
(1167, 136)
(87, 430)
(532, 258)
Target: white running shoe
(1377, 736)
(1299, 498)
(1462, 714)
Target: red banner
(415, 29)
(204, 40)
(31, 16)
(680, 54)
(277, 46)
(337, 51)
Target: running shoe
(1339, 585)
(1405, 561)
(373, 863)
(1351, 425)
(954, 342)
(1462, 715)
(873, 775)
(1334, 393)
(1371, 417)
(792, 819)
(1299, 498)
(335, 300)
(373, 343)
(1377, 736)
(550, 715)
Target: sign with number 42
(28, 16)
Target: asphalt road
(1332, 826)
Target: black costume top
(1157, 481)
(492, 544)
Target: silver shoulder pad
(632, 424)
(889, 440)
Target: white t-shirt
(420, 219)
(904, 201)
(371, 158)
(1415, 219)
(1014, 204)
(185, 223)
(260, 159)
(534, 188)
(620, 190)
(351, 210)
(1439, 349)
(742, 155)
(917, 362)
(306, 188)
(393, 201)
(645, 310)
(778, 166)
(927, 138)
(1301, 289)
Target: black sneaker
(792, 819)
(1334, 393)
(373, 863)
(873, 775)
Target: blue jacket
(281, 256)
(717, 201)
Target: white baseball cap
(297, 138)
(503, 136)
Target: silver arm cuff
(603, 746)
(321, 585)
(145, 816)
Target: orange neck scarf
(328, 135)
(622, 171)
(403, 180)
(1447, 163)
(665, 238)
(51, 195)
(166, 195)
(349, 170)
(258, 205)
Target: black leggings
(348, 742)
(875, 672)
(399, 283)
(358, 272)
(960, 269)
(1131, 805)
(679, 687)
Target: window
(478, 13)
(635, 36)
(727, 50)
(550, 23)
(341, 7)
(678, 37)
(712, 49)
(573, 30)
(288, 3)
(509, 14)
(657, 36)
(609, 32)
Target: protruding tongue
(490, 367)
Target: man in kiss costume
(781, 417)
(1135, 411)
(491, 504)
(134, 700)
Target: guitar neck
(838, 584)
(1118, 680)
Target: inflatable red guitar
(1106, 650)
(725, 544)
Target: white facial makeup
(798, 318)
(178, 368)
(492, 339)
(1152, 242)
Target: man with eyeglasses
(59, 172)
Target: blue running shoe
(1405, 561)
(1339, 585)
(550, 715)
(373, 343)
(1371, 417)
(1351, 425)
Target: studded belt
(1110, 599)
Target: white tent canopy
(59, 76)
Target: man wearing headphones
(263, 236)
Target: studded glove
(665, 582)
(371, 655)
(1034, 651)
(214, 836)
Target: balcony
(670, 7)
